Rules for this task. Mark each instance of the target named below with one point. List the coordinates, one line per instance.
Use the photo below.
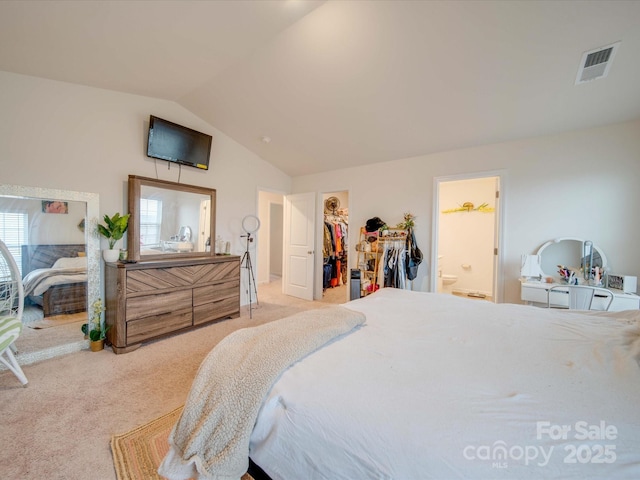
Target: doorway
(467, 236)
(271, 244)
(335, 262)
(270, 236)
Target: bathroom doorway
(467, 236)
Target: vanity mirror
(169, 220)
(568, 252)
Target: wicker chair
(11, 305)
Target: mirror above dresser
(174, 282)
(170, 220)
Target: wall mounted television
(175, 143)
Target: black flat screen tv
(175, 143)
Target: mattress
(437, 386)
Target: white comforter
(39, 281)
(436, 386)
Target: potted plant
(113, 230)
(96, 330)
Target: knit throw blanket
(211, 438)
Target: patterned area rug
(138, 453)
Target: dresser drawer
(228, 307)
(157, 304)
(214, 293)
(157, 325)
(148, 300)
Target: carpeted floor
(57, 321)
(60, 426)
(42, 334)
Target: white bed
(437, 386)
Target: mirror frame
(133, 232)
(92, 240)
(561, 239)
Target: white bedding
(64, 270)
(437, 386)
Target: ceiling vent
(596, 63)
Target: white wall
(65, 136)
(265, 252)
(580, 184)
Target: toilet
(447, 283)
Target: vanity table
(570, 252)
(535, 293)
(176, 246)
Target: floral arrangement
(96, 330)
(409, 221)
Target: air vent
(596, 63)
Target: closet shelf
(370, 248)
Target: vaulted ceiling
(343, 83)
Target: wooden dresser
(147, 300)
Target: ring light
(250, 224)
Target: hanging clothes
(335, 248)
(393, 264)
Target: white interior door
(299, 245)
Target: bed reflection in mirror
(57, 253)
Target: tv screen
(175, 143)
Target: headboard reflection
(44, 256)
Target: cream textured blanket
(211, 438)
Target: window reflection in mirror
(27, 221)
(169, 219)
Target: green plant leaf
(114, 228)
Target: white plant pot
(111, 255)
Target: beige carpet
(138, 453)
(61, 425)
(57, 320)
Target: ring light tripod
(250, 224)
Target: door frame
(498, 263)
